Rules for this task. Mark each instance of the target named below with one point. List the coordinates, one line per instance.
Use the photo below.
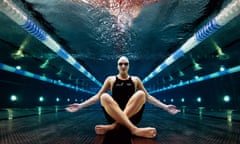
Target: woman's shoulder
(135, 78)
(111, 78)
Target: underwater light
(18, 67)
(199, 99)
(220, 54)
(196, 77)
(57, 99)
(59, 73)
(18, 54)
(222, 68)
(13, 98)
(45, 64)
(68, 99)
(170, 78)
(180, 73)
(41, 99)
(182, 100)
(196, 66)
(226, 98)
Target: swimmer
(126, 104)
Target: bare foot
(103, 129)
(147, 132)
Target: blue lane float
(15, 14)
(231, 11)
(41, 78)
(199, 79)
(207, 30)
(34, 30)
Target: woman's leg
(121, 117)
(135, 103)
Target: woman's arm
(92, 100)
(169, 108)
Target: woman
(126, 105)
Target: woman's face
(123, 65)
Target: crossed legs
(133, 106)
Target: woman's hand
(73, 107)
(172, 109)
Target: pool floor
(78, 128)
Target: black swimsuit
(122, 91)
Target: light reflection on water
(110, 31)
(229, 118)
